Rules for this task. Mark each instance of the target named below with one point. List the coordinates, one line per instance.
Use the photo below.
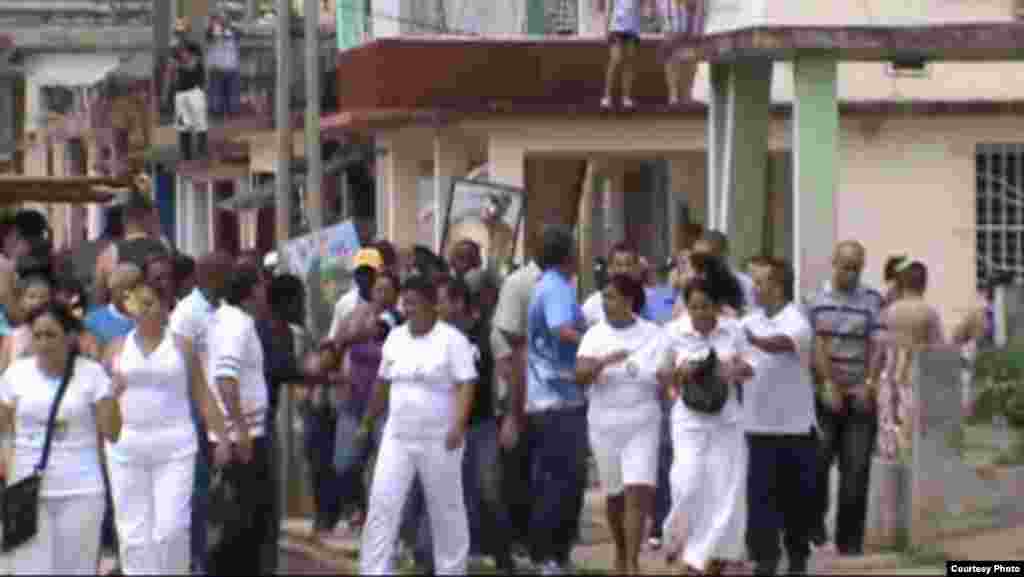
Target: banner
(325, 267)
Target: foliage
(999, 385)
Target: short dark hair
(630, 288)
(284, 289)
(36, 263)
(914, 277)
(422, 285)
(723, 283)
(782, 272)
(557, 246)
(184, 265)
(701, 285)
(240, 284)
(892, 266)
(457, 290)
(30, 224)
(623, 246)
(388, 254)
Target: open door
(556, 187)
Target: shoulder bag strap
(68, 371)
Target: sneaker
(606, 103)
(628, 103)
(654, 543)
(551, 568)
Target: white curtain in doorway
(475, 17)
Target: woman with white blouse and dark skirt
(618, 361)
(709, 469)
(71, 499)
(153, 465)
(427, 377)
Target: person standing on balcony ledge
(680, 17)
(223, 59)
(624, 37)
(189, 98)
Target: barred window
(999, 217)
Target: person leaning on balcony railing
(189, 78)
(624, 36)
(223, 60)
(680, 17)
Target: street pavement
(595, 552)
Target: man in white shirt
(189, 323)
(622, 259)
(780, 422)
(236, 360)
(508, 345)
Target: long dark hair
(723, 285)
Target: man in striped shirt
(844, 314)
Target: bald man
(111, 321)
(845, 316)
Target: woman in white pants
(618, 360)
(152, 466)
(428, 375)
(709, 468)
(71, 500)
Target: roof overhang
(976, 41)
(16, 189)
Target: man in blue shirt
(555, 405)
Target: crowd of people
(448, 413)
(171, 369)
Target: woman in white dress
(618, 361)
(708, 475)
(152, 466)
(72, 496)
(428, 376)
(33, 293)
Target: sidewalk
(596, 553)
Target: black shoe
(797, 567)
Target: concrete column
(781, 208)
(587, 228)
(744, 209)
(718, 107)
(401, 171)
(688, 184)
(815, 127)
(615, 205)
(451, 160)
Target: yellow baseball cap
(368, 257)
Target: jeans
(320, 430)
(663, 491)
(557, 444)
(224, 88)
(782, 470)
(849, 438)
(242, 550)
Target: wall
(732, 14)
(909, 187)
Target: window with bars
(999, 218)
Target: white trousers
(190, 110)
(68, 541)
(709, 482)
(440, 471)
(153, 514)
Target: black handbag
(21, 500)
(707, 392)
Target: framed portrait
(488, 213)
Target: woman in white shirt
(710, 454)
(72, 496)
(152, 466)
(33, 294)
(427, 378)
(618, 360)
